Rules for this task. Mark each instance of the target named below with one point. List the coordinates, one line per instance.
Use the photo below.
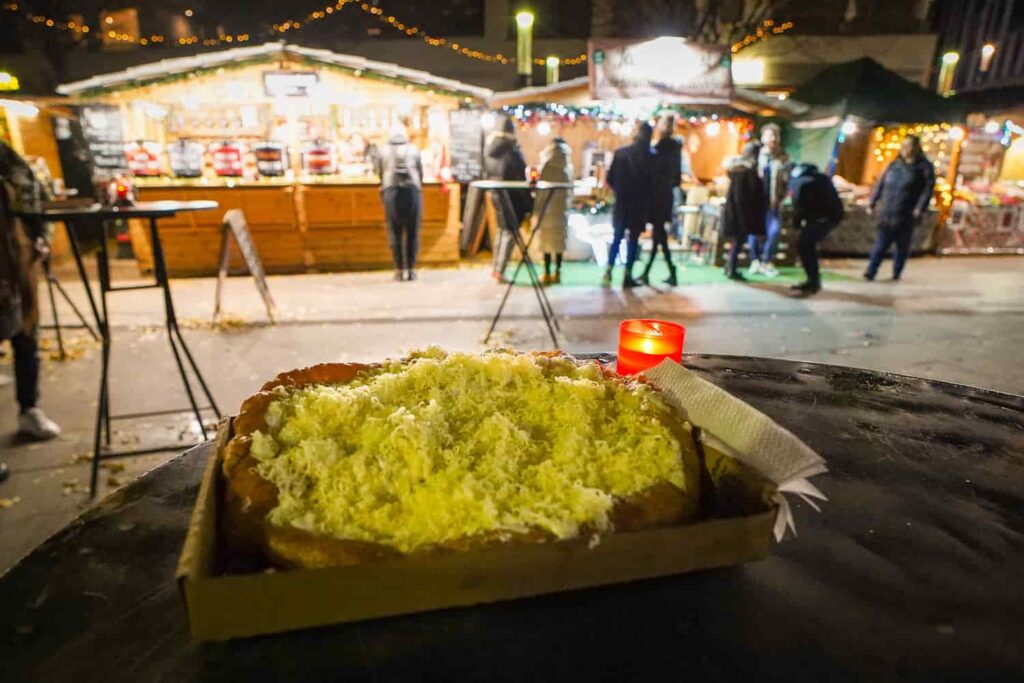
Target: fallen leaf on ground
(9, 502)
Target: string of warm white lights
(767, 29)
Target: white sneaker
(768, 270)
(33, 422)
(754, 268)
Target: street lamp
(552, 64)
(524, 47)
(947, 72)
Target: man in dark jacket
(899, 200)
(630, 177)
(503, 160)
(816, 210)
(400, 169)
(666, 174)
(744, 212)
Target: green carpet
(588, 274)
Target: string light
(767, 29)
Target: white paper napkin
(745, 433)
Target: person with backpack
(817, 209)
(400, 169)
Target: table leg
(526, 251)
(53, 307)
(173, 331)
(103, 268)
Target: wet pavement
(959, 320)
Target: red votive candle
(645, 343)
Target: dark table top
(161, 209)
(912, 571)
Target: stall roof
(140, 75)
(866, 89)
(576, 91)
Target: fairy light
(767, 29)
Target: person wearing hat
(817, 209)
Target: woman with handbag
(22, 248)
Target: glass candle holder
(645, 343)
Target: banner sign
(668, 69)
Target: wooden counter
(298, 227)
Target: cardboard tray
(222, 606)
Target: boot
(606, 280)
(645, 277)
(671, 280)
(628, 282)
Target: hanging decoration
(767, 29)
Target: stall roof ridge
(165, 67)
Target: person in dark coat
(817, 209)
(744, 211)
(899, 200)
(666, 174)
(630, 177)
(23, 245)
(400, 169)
(503, 160)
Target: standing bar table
(499, 189)
(911, 571)
(76, 216)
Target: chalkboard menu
(75, 157)
(466, 145)
(104, 134)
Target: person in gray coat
(400, 169)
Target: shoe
(4, 472)
(805, 288)
(736, 275)
(399, 276)
(644, 279)
(869, 277)
(606, 279)
(499, 278)
(629, 283)
(410, 275)
(895, 278)
(671, 280)
(33, 422)
(754, 268)
(556, 279)
(546, 279)
(768, 270)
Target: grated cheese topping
(447, 446)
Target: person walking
(503, 160)
(666, 174)
(629, 176)
(772, 166)
(817, 209)
(23, 245)
(743, 216)
(899, 200)
(400, 168)
(555, 167)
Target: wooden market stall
(285, 133)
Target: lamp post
(552, 64)
(524, 48)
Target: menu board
(104, 134)
(74, 154)
(466, 145)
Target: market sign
(668, 69)
(289, 83)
